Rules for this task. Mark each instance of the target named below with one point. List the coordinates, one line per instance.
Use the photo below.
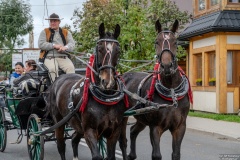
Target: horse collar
(96, 92)
(170, 94)
(107, 99)
(173, 93)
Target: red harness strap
(90, 77)
(86, 85)
(152, 87)
(113, 103)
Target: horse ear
(158, 26)
(175, 26)
(117, 31)
(101, 30)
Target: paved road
(196, 145)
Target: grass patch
(222, 117)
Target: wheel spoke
(38, 151)
(34, 152)
(33, 126)
(32, 147)
(3, 131)
(1, 134)
(34, 142)
(1, 138)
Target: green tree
(137, 38)
(5, 61)
(167, 12)
(94, 13)
(137, 20)
(15, 22)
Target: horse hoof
(97, 158)
(131, 157)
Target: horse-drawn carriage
(28, 114)
(97, 105)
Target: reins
(62, 122)
(84, 62)
(89, 66)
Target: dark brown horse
(167, 85)
(101, 97)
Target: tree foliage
(137, 20)
(136, 39)
(167, 12)
(5, 61)
(95, 12)
(15, 22)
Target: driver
(53, 42)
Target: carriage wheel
(35, 143)
(3, 131)
(102, 145)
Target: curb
(214, 134)
(220, 129)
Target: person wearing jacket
(54, 42)
(19, 69)
(27, 81)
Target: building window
(229, 67)
(199, 66)
(234, 1)
(233, 65)
(212, 66)
(201, 5)
(214, 2)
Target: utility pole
(31, 39)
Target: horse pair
(102, 102)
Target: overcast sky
(39, 12)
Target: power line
(45, 9)
(56, 4)
(40, 25)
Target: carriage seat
(27, 88)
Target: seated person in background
(19, 69)
(27, 82)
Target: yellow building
(214, 55)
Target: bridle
(98, 94)
(108, 53)
(166, 37)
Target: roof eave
(212, 29)
(190, 35)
